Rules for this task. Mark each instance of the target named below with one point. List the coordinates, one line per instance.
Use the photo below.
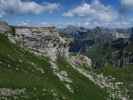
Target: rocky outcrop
(43, 40)
(4, 27)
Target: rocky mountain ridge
(41, 40)
(109, 44)
(4, 27)
(45, 40)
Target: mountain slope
(25, 76)
(124, 75)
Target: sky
(60, 13)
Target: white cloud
(95, 10)
(97, 14)
(33, 24)
(23, 7)
(127, 3)
(24, 23)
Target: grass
(121, 74)
(18, 69)
(81, 83)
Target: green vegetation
(100, 55)
(81, 84)
(124, 75)
(20, 69)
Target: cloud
(127, 3)
(25, 7)
(33, 24)
(24, 23)
(97, 14)
(95, 10)
(126, 6)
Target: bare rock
(4, 27)
(44, 40)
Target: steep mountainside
(109, 44)
(41, 40)
(35, 65)
(110, 50)
(4, 27)
(24, 76)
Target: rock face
(123, 52)
(44, 40)
(41, 40)
(4, 27)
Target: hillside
(66, 50)
(124, 75)
(24, 76)
(35, 64)
(110, 50)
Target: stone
(4, 27)
(44, 40)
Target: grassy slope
(84, 88)
(18, 70)
(26, 76)
(121, 74)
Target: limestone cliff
(44, 40)
(4, 27)
(41, 40)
